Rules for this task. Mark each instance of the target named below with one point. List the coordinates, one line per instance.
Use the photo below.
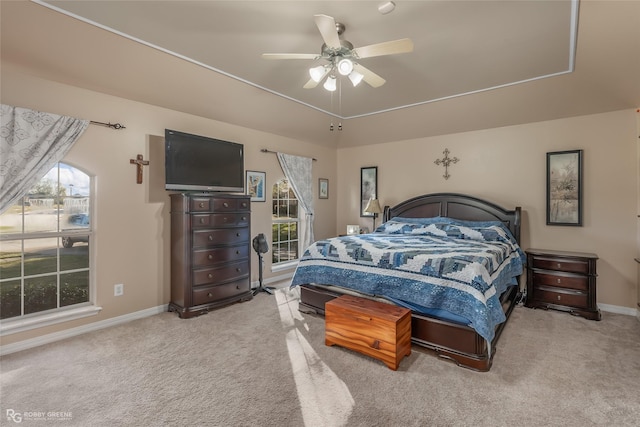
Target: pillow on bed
(494, 231)
(481, 224)
(399, 225)
(441, 226)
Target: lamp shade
(330, 84)
(317, 73)
(373, 207)
(355, 78)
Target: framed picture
(323, 188)
(564, 188)
(368, 187)
(256, 185)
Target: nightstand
(563, 281)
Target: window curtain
(31, 143)
(298, 172)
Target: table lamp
(373, 207)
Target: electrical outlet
(118, 290)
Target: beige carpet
(263, 363)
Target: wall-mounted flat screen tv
(199, 163)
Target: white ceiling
(476, 64)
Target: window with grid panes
(285, 223)
(44, 246)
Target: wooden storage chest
(375, 329)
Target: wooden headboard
(458, 206)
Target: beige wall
(131, 221)
(507, 166)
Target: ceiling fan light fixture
(330, 84)
(345, 66)
(355, 78)
(317, 73)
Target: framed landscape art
(564, 188)
(323, 188)
(368, 188)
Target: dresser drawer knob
(559, 298)
(244, 204)
(210, 237)
(202, 204)
(210, 256)
(559, 280)
(376, 344)
(237, 234)
(209, 294)
(201, 220)
(210, 276)
(559, 265)
(238, 269)
(225, 204)
(237, 286)
(244, 218)
(237, 252)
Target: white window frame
(288, 264)
(61, 314)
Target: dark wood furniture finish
(563, 281)
(375, 329)
(210, 252)
(449, 340)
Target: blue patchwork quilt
(433, 263)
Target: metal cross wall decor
(446, 161)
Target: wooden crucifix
(139, 163)
(446, 161)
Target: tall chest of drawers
(562, 281)
(210, 251)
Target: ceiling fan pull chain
(340, 104)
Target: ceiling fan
(342, 57)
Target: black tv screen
(199, 163)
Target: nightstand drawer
(555, 296)
(562, 281)
(557, 264)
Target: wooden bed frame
(449, 340)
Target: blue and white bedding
(461, 267)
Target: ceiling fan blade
(311, 84)
(385, 48)
(290, 56)
(370, 77)
(328, 31)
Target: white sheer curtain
(298, 172)
(31, 143)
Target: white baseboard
(273, 279)
(629, 311)
(90, 327)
